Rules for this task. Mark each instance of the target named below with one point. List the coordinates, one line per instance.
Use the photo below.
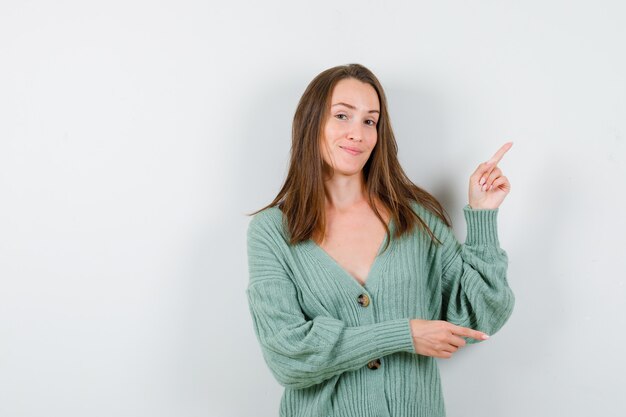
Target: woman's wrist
(478, 207)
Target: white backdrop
(135, 135)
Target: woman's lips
(351, 151)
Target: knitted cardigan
(336, 355)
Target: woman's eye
(339, 116)
(373, 123)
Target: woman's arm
(475, 291)
(299, 351)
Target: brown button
(364, 300)
(375, 364)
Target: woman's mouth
(351, 151)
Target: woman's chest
(403, 281)
(354, 245)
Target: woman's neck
(344, 192)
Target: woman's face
(350, 130)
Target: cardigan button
(364, 300)
(375, 364)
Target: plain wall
(136, 135)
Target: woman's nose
(356, 132)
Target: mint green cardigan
(338, 355)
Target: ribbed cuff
(395, 335)
(482, 226)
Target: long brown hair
(302, 197)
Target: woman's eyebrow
(352, 107)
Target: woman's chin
(349, 171)
(346, 170)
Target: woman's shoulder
(424, 213)
(432, 220)
(270, 220)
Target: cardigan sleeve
(475, 291)
(300, 351)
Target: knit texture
(317, 336)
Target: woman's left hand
(488, 186)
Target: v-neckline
(329, 261)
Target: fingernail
(485, 337)
(482, 181)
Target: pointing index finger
(468, 332)
(498, 155)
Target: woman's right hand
(440, 338)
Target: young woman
(357, 283)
